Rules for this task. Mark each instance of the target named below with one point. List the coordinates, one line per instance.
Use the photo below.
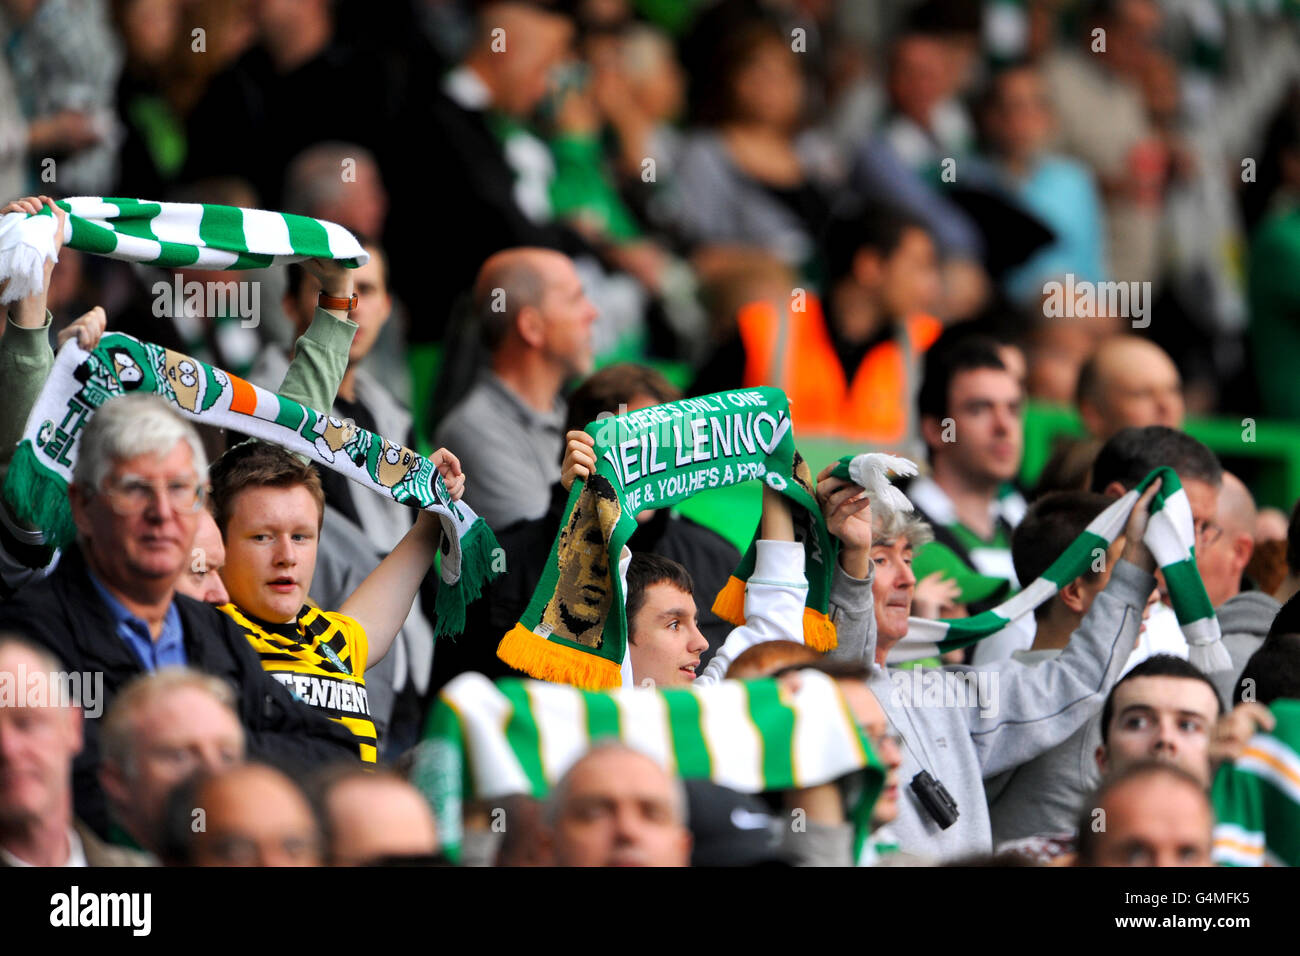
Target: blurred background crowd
(696, 156)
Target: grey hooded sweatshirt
(1244, 620)
(964, 724)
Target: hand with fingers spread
(87, 330)
(448, 466)
(29, 313)
(579, 458)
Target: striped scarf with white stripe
(1170, 536)
(168, 235)
(1257, 797)
(36, 486)
(485, 740)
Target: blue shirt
(1061, 192)
(167, 651)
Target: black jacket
(66, 614)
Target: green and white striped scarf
(1257, 797)
(166, 234)
(1169, 536)
(36, 486)
(484, 741)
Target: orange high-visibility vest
(793, 351)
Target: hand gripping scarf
(484, 740)
(80, 382)
(575, 630)
(166, 234)
(1170, 537)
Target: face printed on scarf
(619, 808)
(1160, 718)
(665, 640)
(271, 540)
(892, 590)
(584, 590)
(184, 374)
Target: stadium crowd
(940, 228)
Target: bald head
(1222, 557)
(517, 46)
(253, 815)
(617, 807)
(1129, 381)
(372, 816)
(535, 315)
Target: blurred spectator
(1274, 293)
(617, 807)
(340, 182)
(856, 363)
(374, 816)
(1156, 815)
(253, 815)
(1128, 382)
(38, 742)
(536, 323)
(971, 420)
(298, 85)
(1100, 76)
(153, 145)
(491, 174)
(65, 60)
(162, 729)
(926, 123)
(741, 181)
(1017, 126)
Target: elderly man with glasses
(111, 606)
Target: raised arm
(775, 594)
(848, 517)
(320, 356)
(1032, 709)
(382, 602)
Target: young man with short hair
(269, 506)
(663, 634)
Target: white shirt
(76, 853)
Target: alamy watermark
(934, 687)
(232, 299)
(23, 688)
(1085, 299)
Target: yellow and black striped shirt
(320, 658)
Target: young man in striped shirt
(269, 506)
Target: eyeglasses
(131, 496)
(1207, 532)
